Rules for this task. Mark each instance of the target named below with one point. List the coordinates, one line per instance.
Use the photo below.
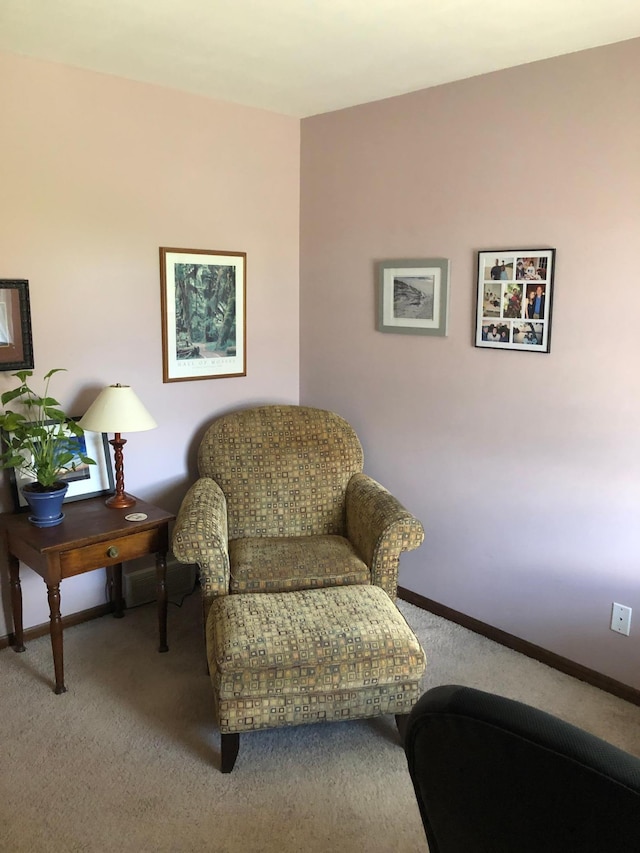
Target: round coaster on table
(135, 516)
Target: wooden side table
(91, 536)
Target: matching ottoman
(283, 659)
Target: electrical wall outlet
(621, 619)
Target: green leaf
(11, 460)
(11, 421)
(8, 396)
(74, 428)
(55, 414)
(39, 432)
(23, 375)
(63, 459)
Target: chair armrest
(380, 529)
(200, 536)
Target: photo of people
(528, 333)
(531, 269)
(499, 269)
(535, 302)
(491, 296)
(512, 301)
(496, 333)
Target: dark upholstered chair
(492, 775)
(298, 553)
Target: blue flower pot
(45, 505)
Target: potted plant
(42, 442)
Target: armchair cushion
(281, 564)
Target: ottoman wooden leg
(229, 744)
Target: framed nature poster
(203, 296)
(515, 299)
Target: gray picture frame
(413, 296)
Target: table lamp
(117, 409)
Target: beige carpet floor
(127, 759)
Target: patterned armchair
(282, 505)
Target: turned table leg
(16, 603)
(114, 575)
(161, 578)
(53, 594)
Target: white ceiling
(302, 57)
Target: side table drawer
(109, 552)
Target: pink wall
(96, 173)
(523, 467)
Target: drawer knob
(112, 552)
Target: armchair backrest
(283, 469)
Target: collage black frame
(549, 287)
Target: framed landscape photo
(87, 481)
(16, 347)
(413, 296)
(515, 299)
(203, 297)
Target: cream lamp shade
(117, 409)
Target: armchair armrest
(380, 529)
(200, 536)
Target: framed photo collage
(514, 299)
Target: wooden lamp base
(120, 500)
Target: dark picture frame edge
(16, 353)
